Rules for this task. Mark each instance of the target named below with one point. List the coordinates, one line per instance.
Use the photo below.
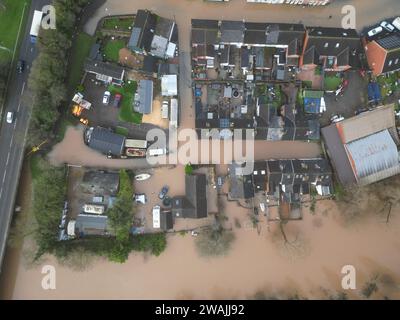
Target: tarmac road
(13, 136)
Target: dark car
(117, 100)
(20, 66)
(163, 192)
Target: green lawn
(118, 24)
(79, 53)
(126, 112)
(122, 131)
(111, 49)
(332, 82)
(388, 83)
(10, 20)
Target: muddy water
(255, 263)
(72, 150)
(13, 257)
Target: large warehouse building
(364, 149)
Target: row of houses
(334, 49)
(261, 45)
(283, 182)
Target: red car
(117, 100)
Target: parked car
(337, 118)
(361, 110)
(375, 31)
(194, 233)
(342, 87)
(117, 100)
(387, 26)
(106, 97)
(20, 66)
(163, 192)
(140, 198)
(396, 23)
(10, 117)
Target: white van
(157, 152)
(396, 23)
(156, 217)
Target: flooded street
(72, 150)
(319, 245)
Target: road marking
(23, 88)
(11, 141)
(4, 176)
(8, 158)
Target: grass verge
(79, 53)
(10, 19)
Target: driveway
(107, 115)
(355, 96)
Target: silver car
(10, 117)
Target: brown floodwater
(257, 261)
(72, 150)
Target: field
(10, 20)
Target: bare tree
(293, 245)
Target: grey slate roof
(91, 224)
(145, 91)
(143, 30)
(345, 44)
(105, 141)
(392, 45)
(194, 203)
(166, 220)
(232, 31)
(104, 68)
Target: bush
(48, 75)
(188, 169)
(154, 243)
(49, 190)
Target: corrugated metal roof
(373, 154)
(366, 123)
(134, 39)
